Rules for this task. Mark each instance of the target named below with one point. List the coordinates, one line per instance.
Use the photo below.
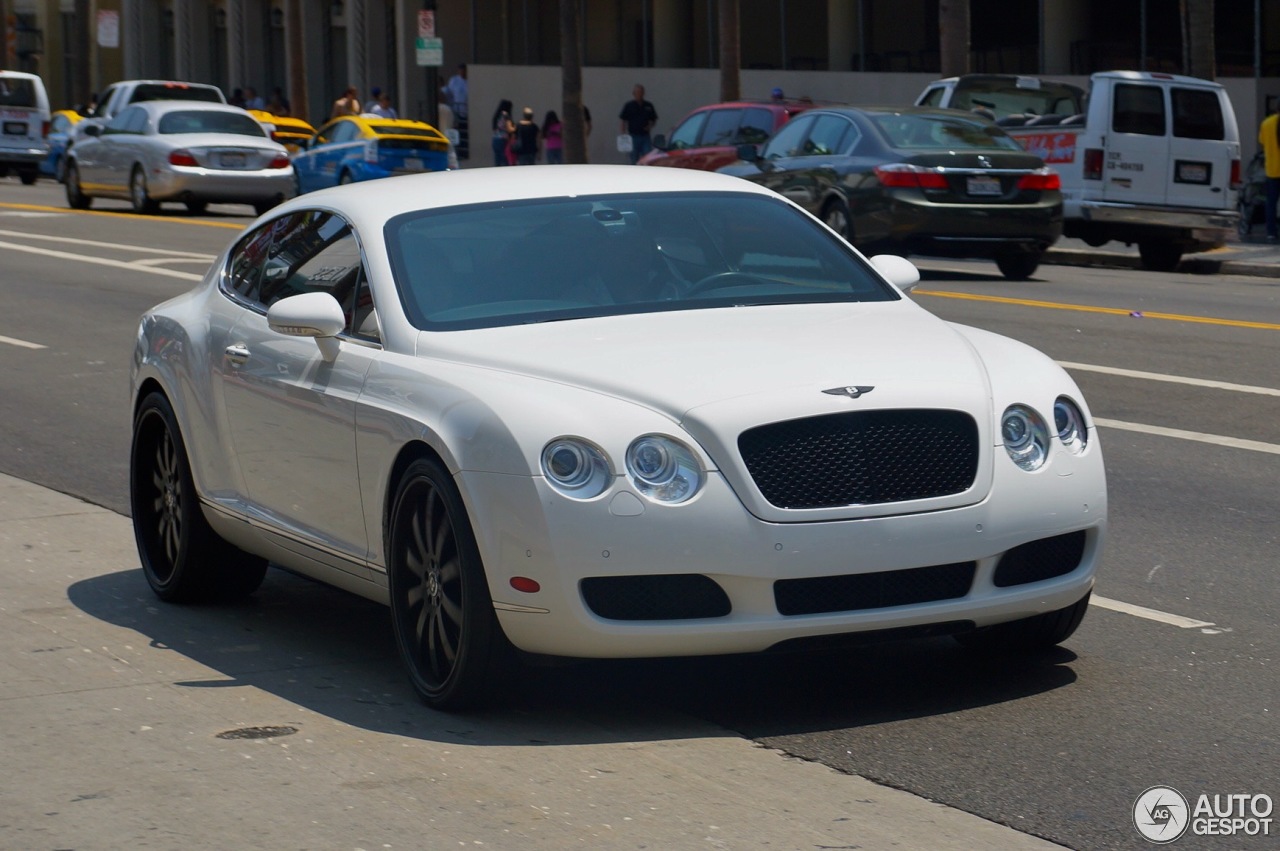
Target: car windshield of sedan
(906, 130)
(209, 121)
(570, 258)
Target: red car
(708, 138)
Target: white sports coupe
(603, 411)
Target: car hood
(681, 363)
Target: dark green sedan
(911, 180)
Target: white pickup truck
(1145, 158)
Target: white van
(24, 124)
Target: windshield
(930, 130)
(559, 259)
(176, 91)
(210, 121)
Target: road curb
(1193, 265)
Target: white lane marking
(13, 341)
(27, 214)
(101, 261)
(116, 245)
(1173, 379)
(160, 261)
(1149, 614)
(1199, 437)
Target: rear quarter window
(1197, 114)
(17, 91)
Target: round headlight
(663, 469)
(1025, 437)
(575, 467)
(1068, 421)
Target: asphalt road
(1184, 373)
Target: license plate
(232, 160)
(983, 185)
(1193, 172)
(413, 164)
(15, 128)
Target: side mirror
(315, 315)
(660, 142)
(93, 130)
(748, 153)
(899, 271)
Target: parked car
(1147, 157)
(61, 126)
(911, 180)
(24, 124)
(289, 131)
(708, 138)
(364, 147)
(602, 411)
(188, 151)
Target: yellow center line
(1087, 308)
(135, 216)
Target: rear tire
(76, 199)
(29, 177)
(836, 216)
(183, 559)
(449, 638)
(1019, 264)
(197, 207)
(263, 206)
(1160, 255)
(345, 178)
(1029, 635)
(138, 196)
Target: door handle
(238, 354)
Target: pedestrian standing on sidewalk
(503, 128)
(526, 142)
(1269, 139)
(636, 120)
(553, 138)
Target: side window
(120, 122)
(722, 126)
(318, 253)
(686, 135)
(324, 135)
(345, 131)
(828, 136)
(247, 260)
(1138, 109)
(1197, 114)
(933, 97)
(757, 126)
(787, 141)
(137, 121)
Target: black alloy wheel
(183, 559)
(448, 636)
(76, 199)
(836, 216)
(138, 196)
(1029, 635)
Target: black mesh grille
(1040, 560)
(655, 598)
(862, 458)
(858, 591)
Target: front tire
(183, 559)
(448, 636)
(76, 199)
(1019, 264)
(1029, 635)
(1159, 255)
(138, 196)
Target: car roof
(370, 120)
(370, 204)
(281, 121)
(162, 106)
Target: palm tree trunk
(1198, 39)
(571, 116)
(730, 52)
(953, 37)
(295, 59)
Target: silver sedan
(186, 151)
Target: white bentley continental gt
(602, 411)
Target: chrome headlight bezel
(1069, 424)
(1025, 437)
(576, 468)
(664, 469)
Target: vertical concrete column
(842, 34)
(411, 78)
(1065, 22)
(235, 44)
(357, 14)
(133, 39)
(672, 34)
(184, 39)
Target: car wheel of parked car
(263, 206)
(346, 178)
(1037, 632)
(76, 199)
(448, 636)
(197, 206)
(1019, 264)
(183, 559)
(142, 202)
(836, 216)
(1159, 255)
(29, 177)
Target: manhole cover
(258, 733)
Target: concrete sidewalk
(285, 722)
(1254, 257)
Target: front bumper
(524, 529)
(215, 185)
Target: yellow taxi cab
(291, 132)
(353, 148)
